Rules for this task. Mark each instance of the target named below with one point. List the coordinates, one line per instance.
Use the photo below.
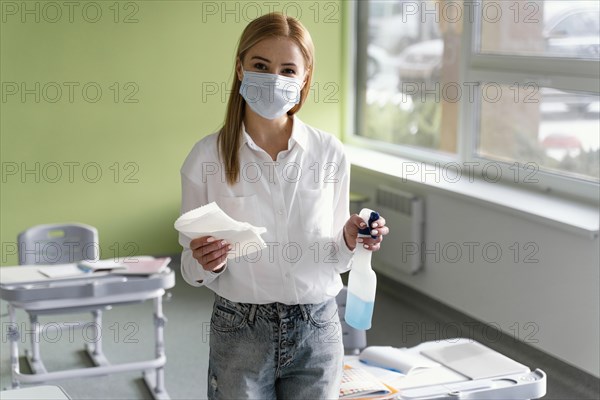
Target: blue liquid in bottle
(358, 312)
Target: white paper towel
(210, 220)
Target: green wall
(112, 160)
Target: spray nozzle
(369, 216)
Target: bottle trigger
(367, 231)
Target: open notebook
(143, 265)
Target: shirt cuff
(344, 254)
(193, 272)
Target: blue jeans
(275, 351)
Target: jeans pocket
(324, 314)
(228, 317)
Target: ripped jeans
(274, 351)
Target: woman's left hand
(354, 223)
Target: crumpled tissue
(210, 220)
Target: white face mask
(270, 95)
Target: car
(559, 145)
(393, 25)
(572, 32)
(573, 102)
(421, 62)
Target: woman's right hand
(211, 253)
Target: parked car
(570, 31)
(421, 62)
(573, 32)
(579, 102)
(393, 25)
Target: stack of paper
(358, 383)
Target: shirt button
(280, 212)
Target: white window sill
(576, 217)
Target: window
(512, 82)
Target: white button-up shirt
(302, 198)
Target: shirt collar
(299, 135)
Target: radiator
(401, 249)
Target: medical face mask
(270, 95)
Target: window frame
(477, 67)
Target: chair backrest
(58, 244)
(354, 339)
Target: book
(358, 383)
(100, 265)
(143, 266)
(385, 362)
(396, 359)
(60, 271)
(139, 265)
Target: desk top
(27, 284)
(21, 274)
(44, 392)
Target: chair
(354, 339)
(60, 244)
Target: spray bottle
(362, 281)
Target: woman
(275, 331)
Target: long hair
(267, 26)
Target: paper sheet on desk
(397, 359)
(210, 220)
(418, 378)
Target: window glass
(563, 28)
(411, 53)
(548, 129)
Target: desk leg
(35, 338)
(34, 358)
(94, 350)
(155, 379)
(14, 336)
(98, 331)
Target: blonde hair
(270, 25)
